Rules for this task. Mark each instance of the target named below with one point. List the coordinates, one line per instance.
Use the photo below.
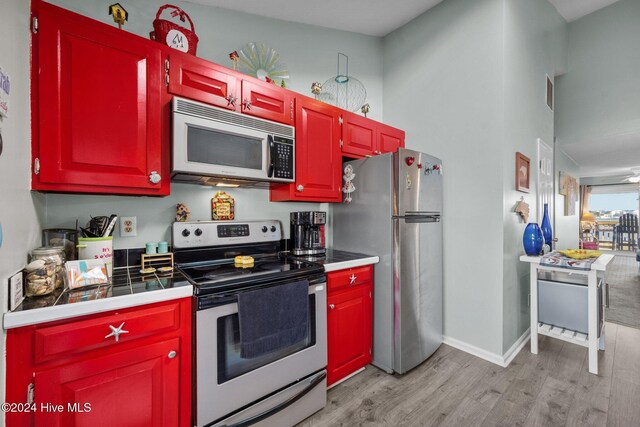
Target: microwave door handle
(270, 155)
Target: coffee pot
(307, 232)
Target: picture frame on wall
(523, 173)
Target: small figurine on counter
(182, 212)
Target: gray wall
(310, 54)
(18, 209)
(534, 47)
(443, 84)
(155, 215)
(597, 100)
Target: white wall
(443, 75)
(534, 47)
(597, 100)
(310, 54)
(18, 209)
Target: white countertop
(600, 264)
(83, 308)
(341, 260)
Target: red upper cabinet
(318, 160)
(213, 84)
(365, 137)
(267, 101)
(358, 135)
(97, 108)
(200, 80)
(389, 138)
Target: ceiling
(611, 156)
(369, 17)
(575, 9)
(380, 17)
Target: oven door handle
(293, 399)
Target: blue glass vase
(547, 232)
(532, 239)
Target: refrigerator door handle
(412, 219)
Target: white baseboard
(502, 360)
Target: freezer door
(417, 290)
(417, 184)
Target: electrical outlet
(128, 226)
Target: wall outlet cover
(128, 226)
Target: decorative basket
(172, 34)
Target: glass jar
(45, 272)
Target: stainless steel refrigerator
(395, 213)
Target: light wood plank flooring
(453, 388)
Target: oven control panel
(195, 234)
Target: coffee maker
(307, 232)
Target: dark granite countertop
(128, 288)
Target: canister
(45, 271)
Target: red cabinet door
(358, 135)
(318, 161)
(348, 331)
(130, 388)
(97, 108)
(267, 101)
(389, 138)
(203, 81)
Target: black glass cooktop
(223, 275)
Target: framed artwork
(523, 175)
(564, 183)
(571, 199)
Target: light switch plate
(128, 226)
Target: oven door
(212, 148)
(226, 383)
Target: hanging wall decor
(348, 187)
(344, 91)
(261, 61)
(569, 189)
(182, 212)
(523, 178)
(222, 207)
(522, 209)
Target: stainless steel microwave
(214, 146)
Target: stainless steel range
(233, 384)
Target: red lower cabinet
(348, 321)
(142, 379)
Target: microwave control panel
(282, 155)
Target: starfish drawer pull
(115, 332)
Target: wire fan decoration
(343, 90)
(261, 61)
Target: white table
(591, 341)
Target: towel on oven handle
(273, 318)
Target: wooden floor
(453, 388)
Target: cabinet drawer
(91, 334)
(349, 277)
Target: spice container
(45, 272)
